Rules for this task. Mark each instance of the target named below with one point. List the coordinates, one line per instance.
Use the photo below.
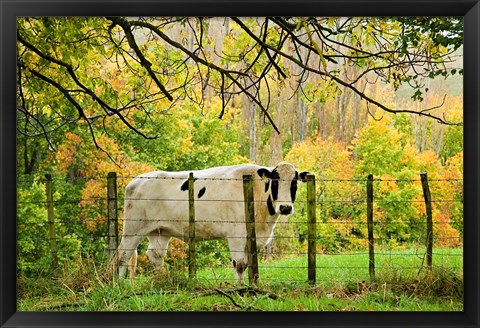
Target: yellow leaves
(302, 155)
(326, 156)
(428, 162)
(183, 124)
(453, 109)
(388, 184)
(454, 166)
(409, 156)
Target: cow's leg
(125, 251)
(157, 248)
(239, 257)
(132, 265)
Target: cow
(156, 206)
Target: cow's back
(161, 197)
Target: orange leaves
(445, 234)
(93, 202)
(78, 158)
(67, 153)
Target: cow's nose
(285, 209)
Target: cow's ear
(264, 173)
(303, 176)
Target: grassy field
(343, 284)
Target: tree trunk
(29, 163)
(252, 132)
(275, 138)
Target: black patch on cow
(271, 210)
(201, 192)
(240, 267)
(275, 181)
(303, 176)
(264, 173)
(293, 189)
(274, 177)
(184, 186)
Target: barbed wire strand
(184, 176)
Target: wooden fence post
(428, 207)
(191, 228)
(112, 214)
(312, 229)
(51, 221)
(371, 241)
(250, 223)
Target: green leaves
(34, 253)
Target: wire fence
(326, 226)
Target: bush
(33, 241)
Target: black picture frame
(9, 10)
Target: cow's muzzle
(286, 209)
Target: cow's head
(281, 187)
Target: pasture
(67, 270)
(343, 284)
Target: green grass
(343, 284)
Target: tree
(339, 195)
(95, 69)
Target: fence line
(112, 214)
(289, 222)
(351, 201)
(51, 220)
(252, 260)
(371, 242)
(385, 251)
(191, 228)
(277, 237)
(113, 233)
(312, 229)
(428, 209)
(120, 177)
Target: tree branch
(124, 24)
(66, 92)
(228, 73)
(341, 82)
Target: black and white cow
(156, 206)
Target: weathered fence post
(312, 229)
(112, 214)
(371, 241)
(51, 220)
(428, 207)
(191, 228)
(251, 236)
